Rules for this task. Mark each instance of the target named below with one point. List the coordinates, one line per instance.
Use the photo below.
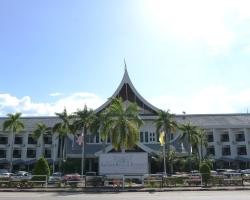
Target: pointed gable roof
(127, 91)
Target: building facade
(228, 136)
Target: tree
(14, 126)
(124, 124)
(102, 124)
(83, 121)
(202, 141)
(205, 172)
(62, 128)
(40, 131)
(41, 168)
(189, 132)
(165, 122)
(159, 159)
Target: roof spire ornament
(126, 88)
(125, 65)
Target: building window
(17, 153)
(224, 137)
(3, 140)
(210, 151)
(240, 137)
(210, 138)
(2, 153)
(146, 137)
(47, 153)
(47, 139)
(152, 137)
(31, 140)
(141, 136)
(90, 138)
(97, 138)
(18, 140)
(226, 151)
(242, 150)
(31, 153)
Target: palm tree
(166, 123)
(102, 124)
(124, 124)
(62, 128)
(83, 121)
(40, 131)
(14, 126)
(202, 141)
(189, 132)
(159, 159)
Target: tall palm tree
(191, 133)
(202, 141)
(124, 124)
(83, 121)
(62, 129)
(159, 159)
(102, 124)
(14, 125)
(40, 131)
(166, 123)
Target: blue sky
(188, 56)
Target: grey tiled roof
(203, 120)
(216, 120)
(30, 122)
(157, 147)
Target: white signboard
(123, 163)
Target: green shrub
(174, 180)
(41, 168)
(205, 172)
(217, 180)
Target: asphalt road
(201, 195)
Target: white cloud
(214, 99)
(55, 94)
(213, 23)
(10, 104)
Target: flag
(162, 138)
(80, 139)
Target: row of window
(19, 140)
(149, 137)
(226, 150)
(240, 137)
(31, 153)
(145, 137)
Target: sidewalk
(110, 190)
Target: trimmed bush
(41, 168)
(205, 173)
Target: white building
(228, 136)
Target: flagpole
(162, 141)
(82, 158)
(80, 141)
(164, 159)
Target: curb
(112, 190)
